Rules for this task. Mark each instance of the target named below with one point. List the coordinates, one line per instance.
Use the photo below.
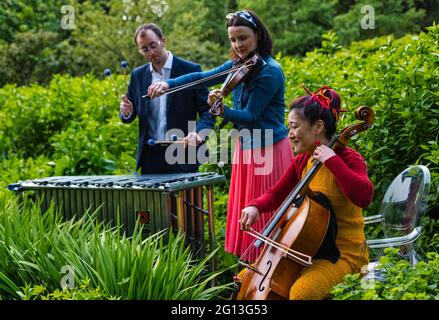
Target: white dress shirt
(157, 125)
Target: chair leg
(371, 273)
(408, 253)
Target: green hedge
(399, 80)
(74, 122)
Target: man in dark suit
(167, 112)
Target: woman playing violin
(342, 179)
(259, 108)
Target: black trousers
(153, 160)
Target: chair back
(405, 201)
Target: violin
(295, 233)
(239, 73)
(243, 72)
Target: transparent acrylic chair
(403, 205)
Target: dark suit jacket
(182, 106)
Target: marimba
(177, 201)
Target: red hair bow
(319, 97)
(324, 102)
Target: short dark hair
(265, 43)
(313, 111)
(141, 30)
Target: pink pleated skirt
(253, 172)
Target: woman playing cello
(342, 179)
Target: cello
(295, 233)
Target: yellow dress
(316, 281)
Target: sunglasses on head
(244, 15)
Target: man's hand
(192, 139)
(156, 89)
(126, 107)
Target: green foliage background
(34, 47)
(59, 116)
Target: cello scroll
(363, 113)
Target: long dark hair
(312, 109)
(265, 43)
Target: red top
(348, 168)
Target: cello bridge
(250, 267)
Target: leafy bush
(35, 57)
(399, 281)
(74, 121)
(81, 292)
(397, 17)
(429, 240)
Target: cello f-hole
(269, 263)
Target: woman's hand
(215, 101)
(323, 153)
(213, 96)
(156, 89)
(249, 215)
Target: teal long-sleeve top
(258, 104)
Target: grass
(35, 246)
